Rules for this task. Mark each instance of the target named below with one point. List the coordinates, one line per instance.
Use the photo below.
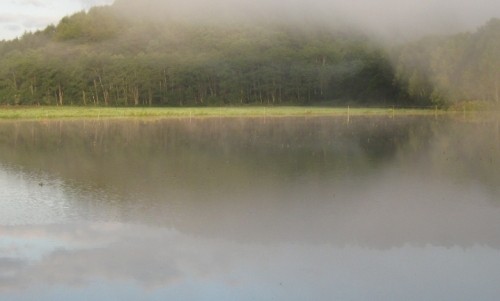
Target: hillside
(107, 56)
(444, 69)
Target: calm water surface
(404, 208)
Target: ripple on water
(31, 198)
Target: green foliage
(97, 25)
(99, 58)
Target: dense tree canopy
(100, 57)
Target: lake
(304, 208)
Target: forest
(102, 57)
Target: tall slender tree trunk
(84, 98)
(96, 98)
(60, 95)
(136, 95)
(33, 91)
(105, 93)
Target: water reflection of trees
(318, 179)
(207, 150)
(213, 154)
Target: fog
(386, 18)
(404, 19)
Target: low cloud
(403, 18)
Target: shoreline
(70, 112)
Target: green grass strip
(109, 112)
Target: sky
(19, 16)
(402, 18)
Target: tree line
(101, 58)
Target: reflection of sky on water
(343, 212)
(391, 210)
(131, 262)
(24, 199)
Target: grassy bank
(107, 112)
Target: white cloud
(19, 16)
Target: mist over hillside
(390, 20)
(400, 20)
(202, 53)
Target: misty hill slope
(228, 11)
(462, 67)
(108, 56)
(103, 58)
